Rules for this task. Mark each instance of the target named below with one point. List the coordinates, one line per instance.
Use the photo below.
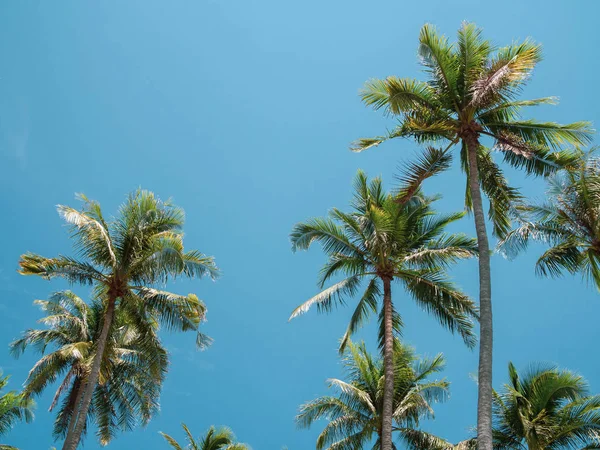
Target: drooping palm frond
(413, 174)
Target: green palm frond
(509, 69)
(438, 296)
(365, 307)
(398, 95)
(432, 162)
(14, 407)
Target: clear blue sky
(242, 112)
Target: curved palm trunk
(484, 400)
(388, 362)
(74, 434)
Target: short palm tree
(471, 95)
(355, 414)
(14, 407)
(131, 373)
(125, 259)
(421, 440)
(389, 238)
(214, 439)
(569, 221)
(546, 408)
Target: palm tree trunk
(388, 361)
(76, 409)
(484, 400)
(74, 434)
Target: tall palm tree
(471, 95)
(14, 407)
(125, 259)
(355, 414)
(569, 221)
(389, 238)
(214, 439)
(546, 408)
(131, 373)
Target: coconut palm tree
(131, 373)
(355, 414)
(546, 408)
(472, 95)
(214, 439)
(14, 407)
(421, 440)
(126, 259)
(389, 238)
(569, 221)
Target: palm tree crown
(125, 258)
(546, 408)
(385, 238)
(214, 439)
(569, 220)
(472, 92)
(355, 414)
(14, 407)
(131, 374)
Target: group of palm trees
(107, 355)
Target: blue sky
(242, 112)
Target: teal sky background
(242, 112)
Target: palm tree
(389, 238)
(14, 407)
(471, 94)
(569, 220)
(355, 415)
(421, 440)
(546, 408)
(125, 259)
(214, 439)
(131, 373)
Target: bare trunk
(484, 401)
(76, 408)
(74, 434)
(388, 362)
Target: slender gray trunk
(74, 434)
(76, 409)
(388, 362)
(484, 401)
